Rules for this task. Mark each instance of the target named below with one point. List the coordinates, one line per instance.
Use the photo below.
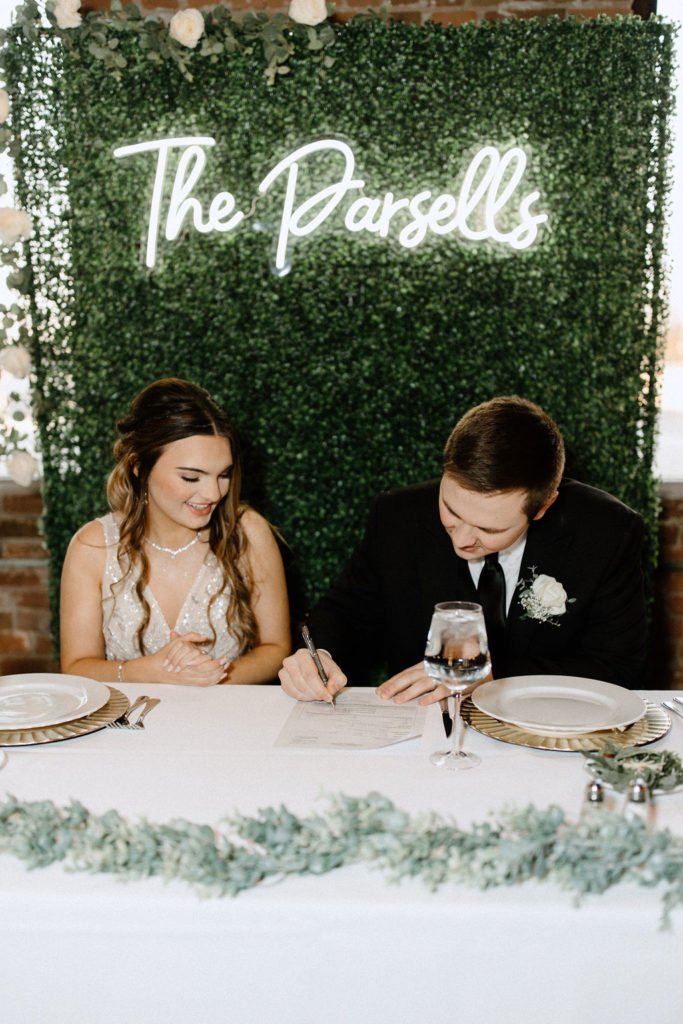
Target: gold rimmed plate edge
(117, 705)
(655, 724)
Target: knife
(151, 703)
(446, 715)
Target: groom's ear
(544, 508)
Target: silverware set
(672, 707)
(124, 722)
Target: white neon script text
(484, 200)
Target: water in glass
(457, 656)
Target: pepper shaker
(639, 804)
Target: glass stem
(458, 730)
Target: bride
(180, 582)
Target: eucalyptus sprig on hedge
(347, 374)
(279, 37)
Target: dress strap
(111, 530)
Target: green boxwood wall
(346, 375)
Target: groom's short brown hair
(507, 444)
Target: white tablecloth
(345, 947)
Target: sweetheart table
(339, 948)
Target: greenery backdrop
(346, 375)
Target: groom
(556, 565)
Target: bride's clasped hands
(183, 661)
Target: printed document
(360, 720)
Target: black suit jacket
(380, 607)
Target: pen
(308, 640)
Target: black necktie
(491, 595)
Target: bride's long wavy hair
(169, 410)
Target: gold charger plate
(654, 724)
(117, 704)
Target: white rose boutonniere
(543, 598)
(16, 360)
(186, 27)
(15, 225)
(308, 12)
(66, 13)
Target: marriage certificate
(360, 720)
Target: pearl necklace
(173, 551)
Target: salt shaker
(594, 798)
(595, 793)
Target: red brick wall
(25, 621)
(447, 12)
(25, 644)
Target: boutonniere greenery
(543, 598)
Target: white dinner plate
(38, 699)
(559, 705)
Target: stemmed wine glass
(457, 655)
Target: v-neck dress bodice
(122, 611)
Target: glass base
(459, 762)
(454, 762)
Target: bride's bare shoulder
(88, 546)
(92, 534)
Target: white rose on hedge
(308, 12)
(4, 105)
(14, 225)
(66, 13)
(186, 27)
(551, 594)
(16, 360)
(21, 467)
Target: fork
(122, 722)
(672, 707)
(151, 703)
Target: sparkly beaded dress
(122, 611)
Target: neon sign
(488, 206)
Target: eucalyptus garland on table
(588, 856)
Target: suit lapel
(546, 551)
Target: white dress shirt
(510, 561)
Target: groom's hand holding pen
(305, 679)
